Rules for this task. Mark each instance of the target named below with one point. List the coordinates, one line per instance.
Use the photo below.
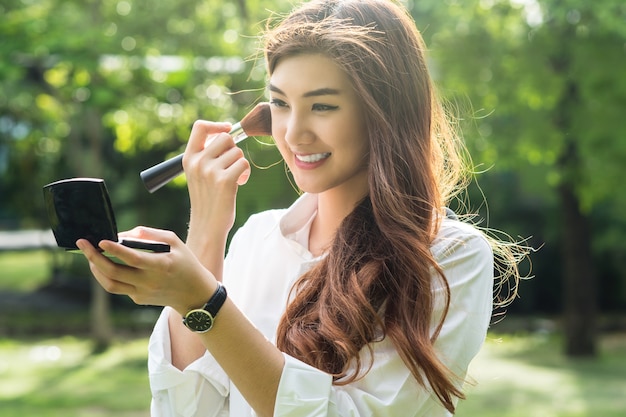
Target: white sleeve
(469, 268)
(200, 390)
(389, 388)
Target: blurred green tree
(546, 81)
(106, 88)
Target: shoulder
(455, 233)
(460, 242)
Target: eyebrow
(312, 93)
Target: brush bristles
(256, 123)
(259, 121)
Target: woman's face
(318, 125)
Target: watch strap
(201, 320)
(216, 301)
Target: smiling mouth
(316, 157)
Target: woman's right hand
(214, 168)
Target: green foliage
(540, 93)
(107, 88)
(515, 61)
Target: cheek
(278, 134)
(278, 128)
(363, 139)
(356, 141)
(280, 144)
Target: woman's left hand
(174, 278)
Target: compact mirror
(80, 208)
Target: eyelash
(324, 107)
(315, 107)
(278, 103)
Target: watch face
(199, 321)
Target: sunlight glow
(123, 8)
(532, 11)
(45, 353)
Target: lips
(312, 158)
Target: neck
(332, 209)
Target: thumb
(149, 233)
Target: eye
(324, 107)
(278, 102)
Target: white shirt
(266, 256)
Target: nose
(298, 130)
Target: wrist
(201, 320)
(195, 296)
(206, 237)
(211, 221)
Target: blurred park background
(107, 88)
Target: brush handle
(160, 174)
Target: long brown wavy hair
(377, 279)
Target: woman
(363, 298)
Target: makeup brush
(256, 123)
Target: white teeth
(313, 157)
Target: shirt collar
(299, 215)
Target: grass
(61, 377)
(527, 376)
(29, 273)
(24, 271)
(515, 376)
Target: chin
(310, 188)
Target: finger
(196, 159)
(104, 270)
(111, 285)
(131, 257)
(243, 178)
(95, 257)
(149, 233)
(234, 172)
(90, 252)
(228, 157)
(136, 260)
(222, 172)
(201, 130)
(218, 145)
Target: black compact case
(80, 208)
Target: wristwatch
(201, 320)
